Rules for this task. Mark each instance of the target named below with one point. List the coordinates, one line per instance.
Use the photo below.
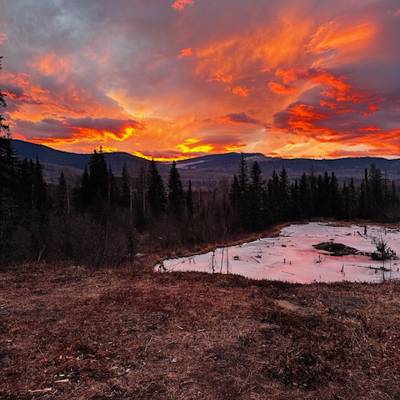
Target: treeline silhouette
(106, 220)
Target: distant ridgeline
(202, 170)
(102, 218)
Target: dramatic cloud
(181, 78)
(180, 5)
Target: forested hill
(55, 161)
(205, 168)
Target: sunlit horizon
(173, 80)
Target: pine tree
(125, 187)
(98, 178)
(243, 178)
(140, 200)
(189, 200)
(376, 193)
(39, 189)
(283, 194)
(156, 191)
(335, 198)
(274, 197)
(234, 193)
(256, 198)
(84, 192)
(243, 183)
(352, 200)
(4, 128)
(294, 200)
(7, 157)
(175, 192)
(305, 199)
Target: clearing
(78, 333)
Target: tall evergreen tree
(175, 191)
(4, 128)
(376, 191)
(140, 199)
(98, 178)
(39, 189)
(189, 200)
(83, 195)
(234, 193)
(125, 187)
(243, 178)
(243, 182)
(156, 191)
(256, 198)
(305, 198)
(274, 197)
(283, 194)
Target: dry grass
(76, 333)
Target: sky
(174, 79)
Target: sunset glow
(178, 79)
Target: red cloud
(241, 91)
(188, 52)
(180, 5)
(280, 89)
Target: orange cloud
(262, 49)
(333, 36)
(193, 146)
(241, 91)
(180, 5)
(187, 52)
(280, 89)
(52, 64)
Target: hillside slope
(77, 333)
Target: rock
(336, 249)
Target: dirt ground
(79, 333)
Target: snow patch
(291, 256)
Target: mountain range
(205, 169)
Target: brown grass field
(80, 333)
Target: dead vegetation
(76, 333)
(336, 249)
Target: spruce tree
(335, 198)
(243, 178)
(175, 191)
(274, 197)
(376, 192)
(234, 193)
(98, 178)
(4, 128)
(39, 189)
(283, 194)
(125, 187)
(305, 198)
(189, 200)
(140, 199)
(156, 191)
(256, 198)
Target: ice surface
(291, 256)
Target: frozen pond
(291, 256)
